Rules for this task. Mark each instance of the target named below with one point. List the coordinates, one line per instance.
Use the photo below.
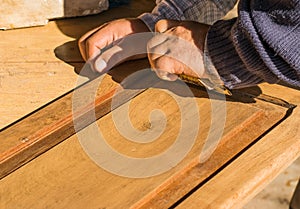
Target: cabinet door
(65, 175)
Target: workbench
(43, 163)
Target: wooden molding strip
(265, 160)
(59, 129)
(45, 128)
(54, 123)
(196, 174)
(66, 166)
(50, 125)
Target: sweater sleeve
(204, 11)
(261, 45)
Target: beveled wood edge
(51, 135)
(195, 174)
(240, 188)
(61, 129)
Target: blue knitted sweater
(262, 44)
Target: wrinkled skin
(176, 48)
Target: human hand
(111, 36)
(178, 49)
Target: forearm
(204, 11)
(261, 45)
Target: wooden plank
(36, 44)
(43, 129)
(39, 64)
(59, 37)
(25, 88)
(65, 176)
(235, 185)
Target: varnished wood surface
(65, 176)
(39, 64)
(258, 166)
(53, 123)
(34, 72)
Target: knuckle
(89, 42)
(179, 29)
(164, 63)
(161, 22)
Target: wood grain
(53, 123)
(26, 88)
(235, 185)
(65, 176)
(39, 64)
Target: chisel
(203, 82)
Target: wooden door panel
(65, 176)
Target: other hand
(91, 44)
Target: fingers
(166, 76)
(92, 42)
(130, 47)
(167, 68)
(177, 49)
(107, 59)
(161, 64)
(171, 55)
(82, 42)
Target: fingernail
(172, 77)
(100, 65)
(165, 77)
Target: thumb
(163, 25)
(166, 76)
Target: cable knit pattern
(262, 44)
